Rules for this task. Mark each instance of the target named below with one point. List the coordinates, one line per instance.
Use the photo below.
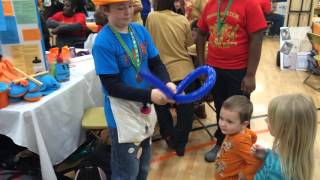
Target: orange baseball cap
(104, 2)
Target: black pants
(228, 83)
(180, 132)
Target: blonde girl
(292, 120)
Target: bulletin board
(299, 13)
(20, 33)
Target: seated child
(69, 25)
(100, 19)
(292, 120)
(234, 160)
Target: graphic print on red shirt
(230, 49)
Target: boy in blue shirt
(120, 51)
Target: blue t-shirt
(110, 58)
(271, 169)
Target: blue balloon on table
(179, 97)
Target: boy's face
(100, 18)
(230, 123)
(268, 123)
(194, 33)
(177, 4)
(67, 8)
(120, 14)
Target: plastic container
(4, 97)
(72, 52)
(37, 65)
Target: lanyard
(221, 22)
(134, 61)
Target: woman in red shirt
(69, 25)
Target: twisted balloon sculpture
(179, 96)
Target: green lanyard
(134, 61)
(221, 22)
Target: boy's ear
(245, 123)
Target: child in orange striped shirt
(235, 161)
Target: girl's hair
(161, 5)
(293, 123)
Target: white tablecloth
(84, 66)
(51, 127)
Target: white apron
(132, 125)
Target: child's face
(100, 18)
(268, 123)
(68, 10)
(230, 123)
(120, 14)
(194, 34)
(177, 4)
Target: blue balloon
(156, 82)
(179, 97)
(199, 93)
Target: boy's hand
(241, 176)
(158, 97)
(172, 87)
(259, 151)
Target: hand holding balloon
(178, 96)
(172, 87)
(158, 97)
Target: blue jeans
(125, 165)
